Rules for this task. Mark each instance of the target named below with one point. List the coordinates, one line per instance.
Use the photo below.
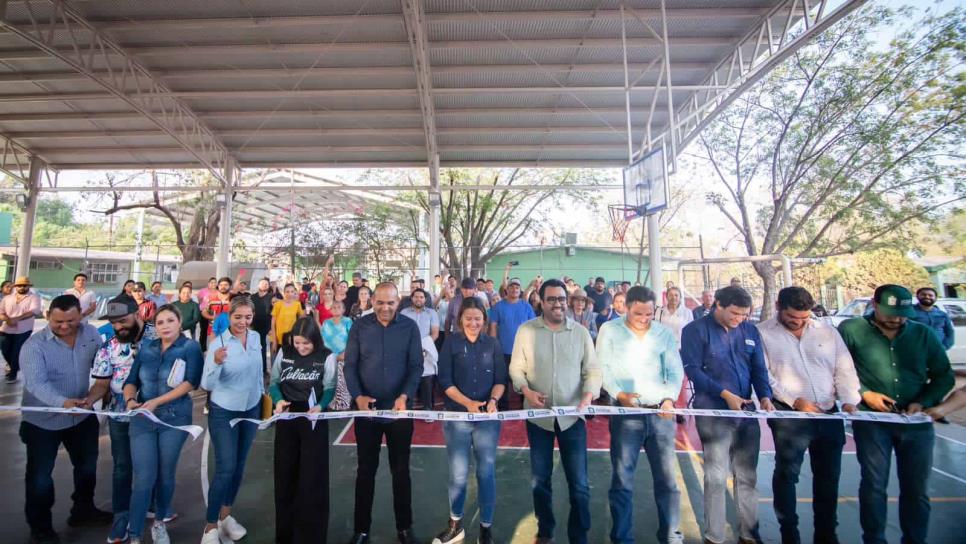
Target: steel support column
(223, 266)
(29, 215)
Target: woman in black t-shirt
(303, 380)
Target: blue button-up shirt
(649, 366)
(939, 322)
(237, 383)
(718, 359)
(472, 367)
(54, 372)
(383, 362)
(151, 371)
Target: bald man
(383, 365)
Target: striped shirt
(54, 372)
(818, 367)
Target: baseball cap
(119, 307)
(515, 281)
(468, 283)
(894, 301)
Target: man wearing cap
(600, 296)
(505, 318)
(467, 289)
(57, 365)
(18, 312)
(902, 367)
(112, 364)
(87, 298)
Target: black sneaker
(453, 533)
(485, 536)
(90, 518)
(359, 538)
(406, 537)
(44, 537)
(11, 377)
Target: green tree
(846, 146)
(476, 225)
(861, 274)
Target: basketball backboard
(645, 183)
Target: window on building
(105, 272)
(45, 265)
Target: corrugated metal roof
(332, 83)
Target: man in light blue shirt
(641, 367)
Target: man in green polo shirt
(902, 368)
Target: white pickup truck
(955, 307)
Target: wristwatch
(494, 400)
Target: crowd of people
(477, 346)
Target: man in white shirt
(674, 315)
(810, 369)
(87, 298)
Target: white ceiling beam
(300, 189)
(417, 163)
(90, 48)
(247, 49)
(313, 21)
(306, 114)
(308, 148)
(309, 132)
(316, 93)
(356, 71)
(414, 17)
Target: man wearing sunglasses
(554, 364)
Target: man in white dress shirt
(810, 369)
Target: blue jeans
(627, 435)
(231, 445)
(824, 441)
(122, 475)
(734, 443)
(573, 455)
(154, 453)
(874, 444)
(482, 437)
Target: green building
(53, 269)
(574, 261)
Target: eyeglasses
(555, 300)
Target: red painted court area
(514, 435)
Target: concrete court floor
(514, 518)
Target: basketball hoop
(620, 217)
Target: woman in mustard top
(285, 313)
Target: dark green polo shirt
(912, 367)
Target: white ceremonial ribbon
(520, 415)
(194, 430)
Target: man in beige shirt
(554, 364)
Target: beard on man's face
(128, 333)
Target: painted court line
(943, 472)
(204, 467)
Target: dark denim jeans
(482, 438)
(824, 441)
(573, 456)
(231, 445)
(874, 444)
(627, 435)
(80, 441)
(12, 345)
(730, 449)
(122, 475)
(155, 451)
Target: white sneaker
(232, 529)
(159, 534)
(212, 536)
